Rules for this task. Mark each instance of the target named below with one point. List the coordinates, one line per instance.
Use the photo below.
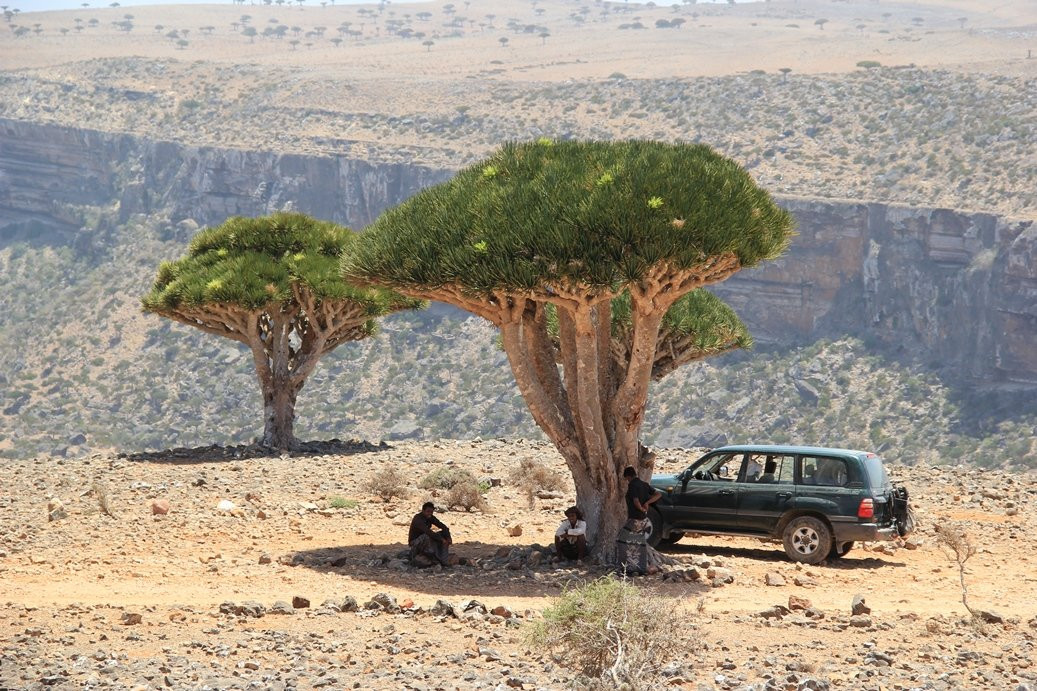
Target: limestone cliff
(955, 289)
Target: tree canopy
(596, 214)
(273, 284)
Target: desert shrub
(467, 494)
(611, 632)
(337, 502)
(388, 483)
(446, 478)
(531, 476)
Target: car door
(830, 485)
(707, 498)
(765, 495)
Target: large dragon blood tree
(590, 257)
(273, 283)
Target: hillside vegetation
(908, 135)
(85, 369)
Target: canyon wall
(956, 290)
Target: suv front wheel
(807, 539)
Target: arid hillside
(921, 103)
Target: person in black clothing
(633, 539)
(428, 546)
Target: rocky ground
(223, 568)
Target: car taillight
(866, 509)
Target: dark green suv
(817, 501)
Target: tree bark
(279, 416)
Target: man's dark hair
(629, 471)
(428, 505)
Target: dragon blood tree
(590, 258)
(273, 283)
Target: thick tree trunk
(279, 416)
(604, 509)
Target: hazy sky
(41, 5)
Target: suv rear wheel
(807, 539)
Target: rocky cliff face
(47, 171)
(957, 290)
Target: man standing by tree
(633, 549)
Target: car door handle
(725, 491)
(784, 495)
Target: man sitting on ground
(428, 546)
(571, 536)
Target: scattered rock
(515, 530)
(775, 612)
(299, 602)
(56, 510)
(281, 607)
(799, 603)
(131, 618)
(159, 507)
(858, 606)
(774, 579)
(265, 559)
(225, 506)
(349, 604)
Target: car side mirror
(723, 471)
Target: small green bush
(337, 502)
(611, 632)
(869, 64)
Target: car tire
(657, 527)
(840, 549)
(807, 540)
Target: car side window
(823, 472)
(775, 469)
(722, 467)
(754, 466)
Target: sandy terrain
(68, 584)
(714, 40)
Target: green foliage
(337, 502)
(598, 214)
(446, 478)
(699, 314)
(612, 632)
(253, 262)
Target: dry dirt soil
(109, 595)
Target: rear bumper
(864, 532)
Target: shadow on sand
(383, 564)
(214, 453)
(774, 553)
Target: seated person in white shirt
(571, 536)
